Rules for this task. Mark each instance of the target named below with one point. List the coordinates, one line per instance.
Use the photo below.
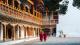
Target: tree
(76, 3)
(63, 7)
(52, 4)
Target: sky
(70, 23)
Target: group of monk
(43, 36)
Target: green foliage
(52, 4)
(63, 9)
(76, 3)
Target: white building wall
(70, 23)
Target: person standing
(41, 36)
(45, 36)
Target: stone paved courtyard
(54, 41)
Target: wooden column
(13, 3)
(24, 32)
(4, 32)
(28, 10)
(19, 7)
(18, 31)
(36, 14)
(28, 31)
(33, 10)
(13, 32)
(38, 31)
(33, 32)
(7, 2)
(1, 33)
(24, 8)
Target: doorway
(54, 32)
(9, 31)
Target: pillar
(19, 6)
(28, 10)
(1, 31)
(26, 32)
(4, 33)
(30, 32)
(38, 31)
(46, 16)
(13, 3)
(13, 33)
(22, 32)
(33, 11)
(7, 2)
(36, 14)
(18, 32)
(34, 32)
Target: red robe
(45, 36)
(41, 36)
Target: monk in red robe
(41, 36)
(45, 36)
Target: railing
(19, 14)
(51, 22)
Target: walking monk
(45, 36)
(41, 36)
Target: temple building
(19, 20)
(50, 19)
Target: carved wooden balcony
(19, 14)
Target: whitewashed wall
(70, 22)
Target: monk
(41, 36)
(45, 36)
